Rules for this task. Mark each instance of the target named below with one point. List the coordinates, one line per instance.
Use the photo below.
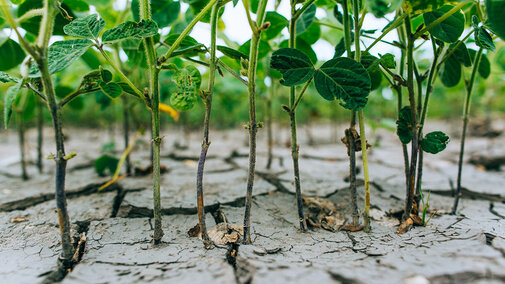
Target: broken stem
(466, 111)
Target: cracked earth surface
(467, 247)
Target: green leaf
(263, 50)
(344, 79)
(32, 25)
(434, 142)
(302, 46)
(404, 125)
(461, 53)
(295, 67)
(112, 90)
(10, 96)
(106, 75)
(6, 78)
(164, 12)
(127, 89)
(130, 29)
(306, 19)
(277, 24)
(188, 46)
(17, 2)
(339, 48)
(388, 60)
(450, 71)
(232, 53)
(62, 54)
(483, 39)
(311, 35)
(87, 27)
(484, 68)
(188, 82)
(448, 30)
(11, 55)
(422, 6)
(494, 9)
(380, 8)
(106, 163)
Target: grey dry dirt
(467, 247)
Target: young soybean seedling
(47, 60)
(90, 28)
(484, 40)
(257, 27)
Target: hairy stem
(415, 141)
(293, 102)
(40, 136)
(253, 126)
(270, 140)
(207, 98)
(21, 140)
(126, 133)
(466, 111)
(145, 12)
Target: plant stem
(21, 136)
(466, 111)
(361, 119)
(349, 133)
(394, 25)
(412, 100)
(424, 112)
(292, 116)
(207, 99)
(270, 140)
(40, 135)
(126, 133)
(187, 30)
(253, 126)
(145, 13)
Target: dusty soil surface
(467, 247)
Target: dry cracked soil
(468, 247)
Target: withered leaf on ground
(224, 233)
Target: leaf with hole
(87, 27)
(344, 79)
(188, 82)
(434, 142)
(130, 29)
(294, 65)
